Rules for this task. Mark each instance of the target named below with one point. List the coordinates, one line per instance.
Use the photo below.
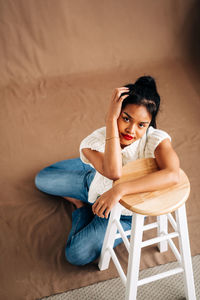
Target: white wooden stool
(160, 204)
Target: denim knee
(71, 257)
(80, 256)
(74, 258)
(40, 181)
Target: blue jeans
(72, 178)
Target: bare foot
(76, 202)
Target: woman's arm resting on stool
(167, 161)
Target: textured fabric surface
(44, 39)
(170, 288)
(60, 61)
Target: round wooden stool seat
(155, 203)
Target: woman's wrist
(112, 137)
(111, 128)
(118, 189)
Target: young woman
(130, 133)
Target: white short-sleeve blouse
(142, 148)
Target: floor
(170, 288)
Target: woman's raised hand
(116, 103)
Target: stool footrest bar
(159, 239)
(150, 226)
(118, 235)
(160, 276)
(145, 227)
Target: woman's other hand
(106, 201)
(116, 103)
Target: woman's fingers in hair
(119, 91)
(121, 98)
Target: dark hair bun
(146, 82)
(144, 85)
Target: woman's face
(132, 123)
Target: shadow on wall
(191, 35)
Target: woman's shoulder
(154, 132)
(94, 141)
(154, 137)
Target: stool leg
(134, 256)
(109, 238)
(184, 245)
(162, 228)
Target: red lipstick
(127, 137)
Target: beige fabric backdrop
(43, 38)
(60, 61)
